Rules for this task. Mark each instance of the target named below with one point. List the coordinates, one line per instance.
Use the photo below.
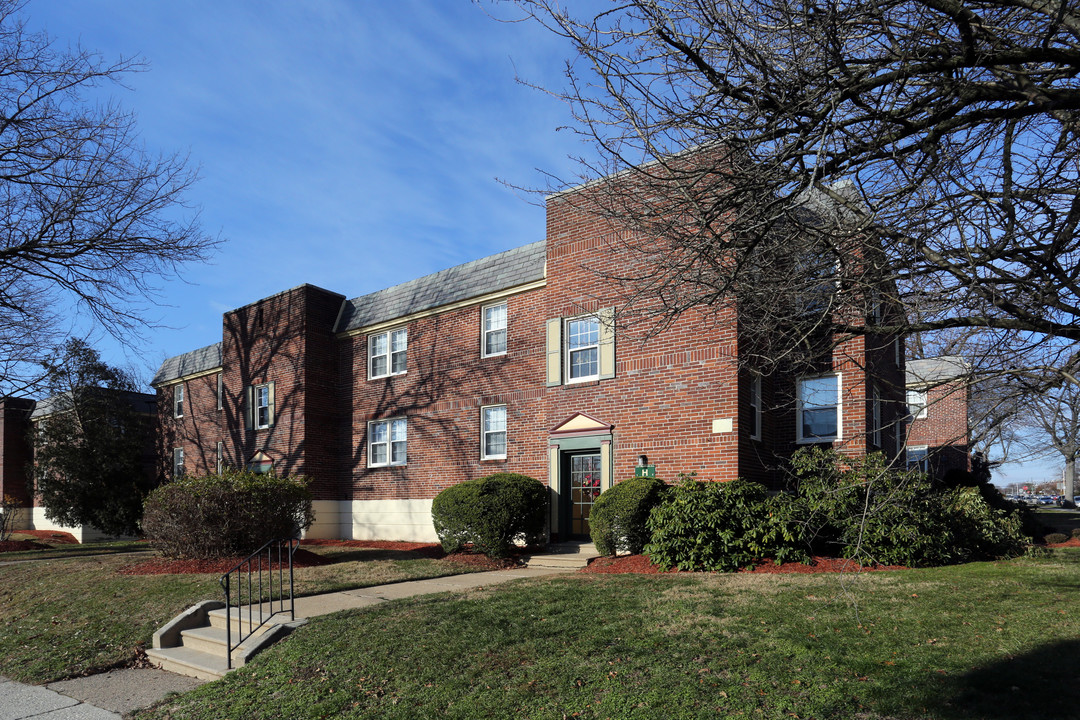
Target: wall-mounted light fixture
(642, 460)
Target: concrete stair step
(563, 556)
(208, 639)
(243, 620)
(190, 662)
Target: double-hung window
(387, 353)
(178, 401)
(818, 409)
(918, 458)
(916, 402)
(220, 391)
(259, 406)
(755, 407)
(493, 432)
(262, 407)
(494, 330)
(387, 442)
(582, 349)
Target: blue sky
(348, 144)
(351, 145)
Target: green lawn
(985, 640)
(65, 617)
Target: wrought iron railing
(249, 595)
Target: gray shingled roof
(140, 402)
(936, 370)
(479, 277)
(189, 363)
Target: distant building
(17, 419)
(938, 436)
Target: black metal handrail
(253, 592)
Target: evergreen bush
(722, 526)
(1055, 538)
(618, 517)
(226, 515)
(491, 514)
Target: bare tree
(1051, 425)
(927, 149)
(88, 219)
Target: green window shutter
(249, 407)
(607, 343)
(270, 410)
(554, 352)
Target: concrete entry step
(187, 661)
(563, 555)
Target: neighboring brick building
(508, 363)
(17, 418)
(938, 433)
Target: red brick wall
(15, 450)
(944, 430)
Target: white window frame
(178, 462)
(916, 397)
(485, 433)
(389, 354)
(259, 392)
(568, 352)
(391, 426)
(755, 405)
(486, 331)
(839, 406)
(178, 400)
(923, 463)
(220, 391)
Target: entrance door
(580, 487)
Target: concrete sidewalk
(108, 695)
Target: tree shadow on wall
(1043, 684)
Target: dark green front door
(580, 486)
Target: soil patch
(643, 565)
(218, 566)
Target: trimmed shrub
(722, 526)
(1076, 532)
(226, 515)
(618, 517)
(1055, 538)
(491, 514)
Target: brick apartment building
(509, 363)
(938, 434)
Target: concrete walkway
(108, 695)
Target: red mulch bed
(432, 550)
(54, 537)
(219, 566)
(1071, 542)
(306, 558)
(18, 545)
(643, 565)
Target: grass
(62, 618)
(985, 640)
